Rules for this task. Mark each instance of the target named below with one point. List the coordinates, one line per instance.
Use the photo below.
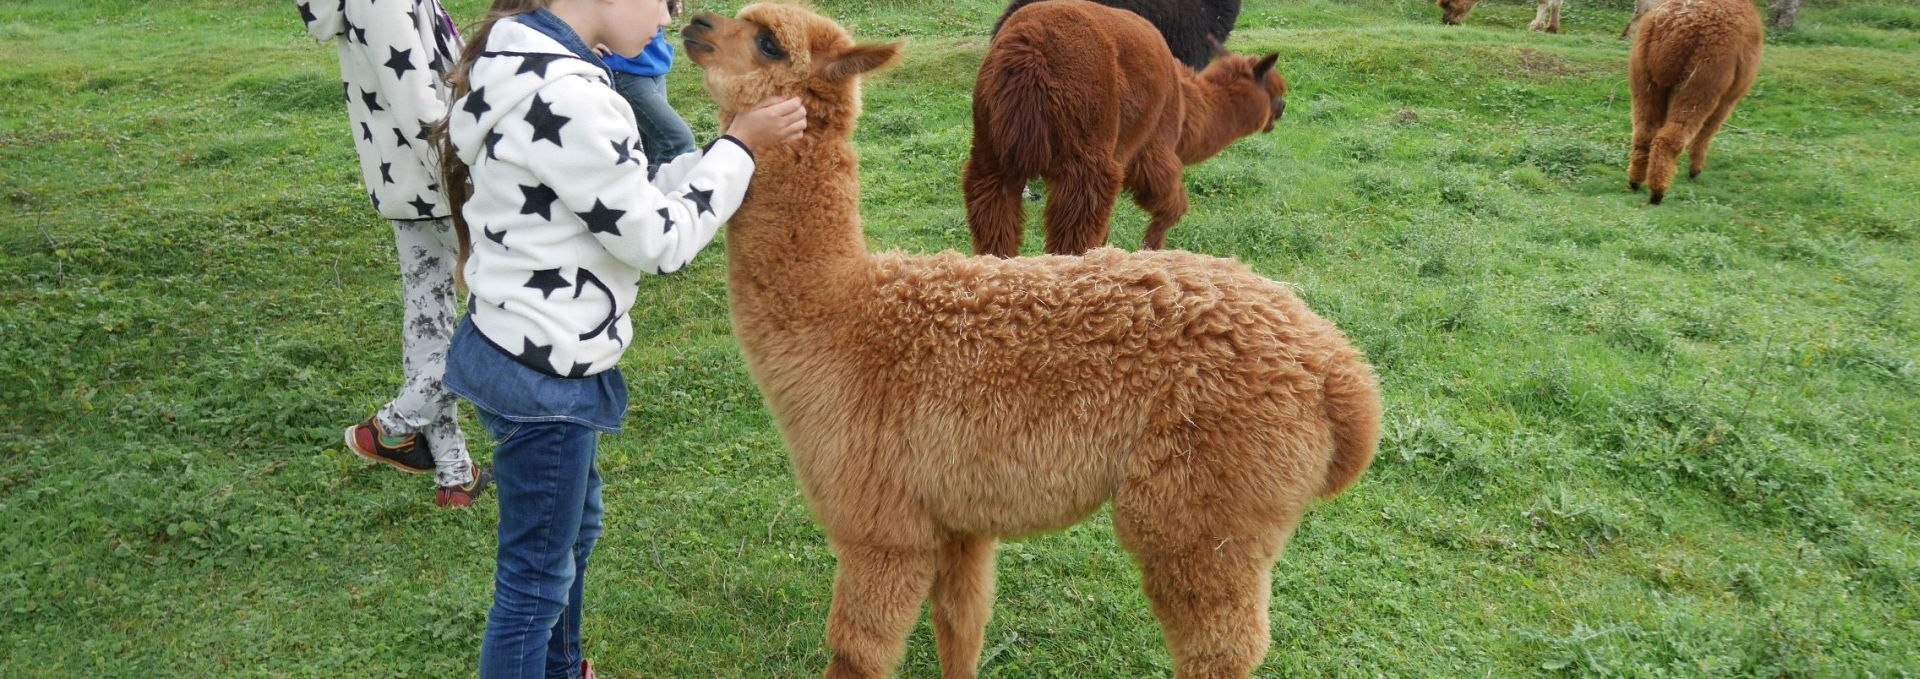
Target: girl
(569, 222)
(393, 58)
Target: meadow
(1621, 440)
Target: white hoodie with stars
(393, 57)
(564, 219)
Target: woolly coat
(394, 56)
(565, 216)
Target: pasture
(1621, 440)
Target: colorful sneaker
(586, 671)
(372, 443)
(464, 495)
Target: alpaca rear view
(1088, 98)
(1692, 61)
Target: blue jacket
(653, 62)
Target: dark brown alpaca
(1089, 99)
(1693, 60)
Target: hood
(519, 62)
(326, 19)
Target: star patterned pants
(424, 406)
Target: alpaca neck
(795, 244)
(1205, 128)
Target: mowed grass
(1620, 441)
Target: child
(393, 57)
(642, 80)
(568, 223)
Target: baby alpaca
(932, 405)
(1088, 98)
(1692, 61)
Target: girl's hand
(602, 50)
(773, 123)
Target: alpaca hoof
(1657, 197)
(1633, 187)
(1693, 174)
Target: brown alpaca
(932, 405)
(1089, 98)
(1693, 60)
(1546, 17)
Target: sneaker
(586, 671)
(463, 495)
(373, 444)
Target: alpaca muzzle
(696, 34)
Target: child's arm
(404, 65)
(602, 179)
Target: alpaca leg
(962, 603)
(1697, 151)
(876, 598)
(1649, 112)
(1155, 182)
(1697, 158)
(1080, 206)
(993, 207)
(1206, 537)
(1546, 17)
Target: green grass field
(1621, 440)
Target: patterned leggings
(424, 405)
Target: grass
(1621, 440)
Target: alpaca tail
(1017, 97)
(1351, 398)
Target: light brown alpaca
(1693, 60)
(1089, 98)
(934, 404)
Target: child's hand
(778, 122)
(602, 50)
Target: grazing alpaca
(1693, 60)
(1546, 18)
(1088, 98)
(1193, 29)
(934, 404)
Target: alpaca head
(1250, 86)
(775, 50)
(1452, 12)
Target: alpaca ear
(860, 59)
(1265, 64)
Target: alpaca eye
(771, 48)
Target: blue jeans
(550, 514)
(662, 133)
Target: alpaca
(1194, 29)
(1546, 18)
(932, 405)
(1693, 60)
(1088, 98)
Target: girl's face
(628, 25)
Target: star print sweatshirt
(393, 61)
(564, 219)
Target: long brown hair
(454, 174)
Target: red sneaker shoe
(464, 495)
